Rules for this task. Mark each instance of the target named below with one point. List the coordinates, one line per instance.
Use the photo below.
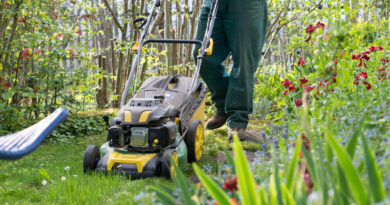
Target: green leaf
(351, 173)
(263, 196)
(277, 183)
(377, 191)
(246, 183)
(229, 159)
(293, 164)
(351, 146)
(215, 191)
(163, 196)
(182, 183)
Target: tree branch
(113, 16)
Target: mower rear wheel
(91, 158)
(194, 141)
(167, 168)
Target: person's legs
(213, 69)
(245, 26)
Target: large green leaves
(246, 183)
(215, 191)
(351, 173)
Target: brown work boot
(243, 135)
(216, 121)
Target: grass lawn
(21, 180)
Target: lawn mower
(162, 123)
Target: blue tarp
(17, 145)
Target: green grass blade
(163, 196)
(293, 164)
(229, 159)
(350, 171)
(351, 146)
(263, 195)
(182, 183)
(246, 183)
(215, 191)
(277, 183)
(377, 191)
(310, 164)
(287, 195)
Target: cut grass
(21, 180)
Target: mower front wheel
(194, 141)
(91, 158)
(167, 168)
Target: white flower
(74, 175)
(63, 178)
(44, 182)
(67, 168)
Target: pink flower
(59, 35)
(384, 60)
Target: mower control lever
(140, 19)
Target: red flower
(86, 16)
(78, 32)
(14, 70)
(38, 52)
(308, 88)
(355, 56)
(6, 84)
(231, 184)
(362, 75)
(291, 88)
(384, 60)
(368, 85)
(286, 83)
(285, 92)
(56, 15)
(303, 81)
(341, 54)
(356, 80)
(365, 56)
(310, 29)
(59, 35)
(375, 48)
(360, 63)
(298, 102)
(71, 52)
(320, 25)
(381, 73)
(301, 62)
(334, 79)
(26, 54)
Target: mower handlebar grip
(140, 19)
(209, 50)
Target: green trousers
(239, 29)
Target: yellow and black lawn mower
(164, 119)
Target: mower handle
(140, 19)
(172, 41)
